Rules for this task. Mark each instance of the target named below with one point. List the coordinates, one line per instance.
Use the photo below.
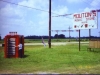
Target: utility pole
(79, 41)
(0, 36)
(69, 32)
(49, 24)
(57, 34)
(99, 33)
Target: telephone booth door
(10, 46)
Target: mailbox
(12, 47)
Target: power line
(28, 7)
(37, 9)
(23, 6)
(62, 15)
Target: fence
(94, 44)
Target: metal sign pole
(89, 34)
(79, 39)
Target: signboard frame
(85, 20)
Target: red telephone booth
(12, 45)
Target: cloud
(35, 3)
(11, 12)
(95, 3)
(87, 9)
(29, 21)
(20, 12)
(24, 20)
(75, 1)
(61, 10)
(62, 21)
(7, 10)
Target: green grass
(46, 40)
(1, 41)
(52, 40)
(59, 59)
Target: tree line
(62, 36)
(56, 36)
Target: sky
(30, 21)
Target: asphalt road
(54, 43)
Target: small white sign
(85, 20)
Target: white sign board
(85, 20)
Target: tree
(61, 36)
(56, 36)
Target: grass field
(59, 59)
(52, 40)
(46, 40)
